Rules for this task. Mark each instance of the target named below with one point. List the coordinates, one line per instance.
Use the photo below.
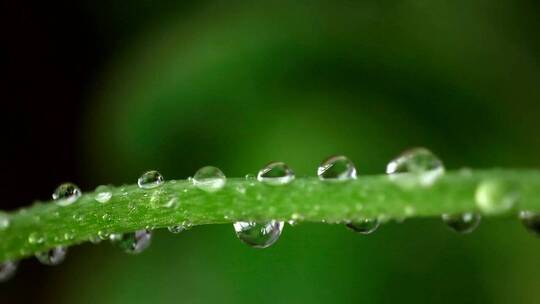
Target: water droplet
(175, 228)
(7, 270)
(275, 173)
(103, 235)
(258, 235)
(172, 203)
(364, 226)
(209, 179)
(150, 179)
(106, 217)
(531, 221)
(462, 223)
(134, 242)
(53, 256)
(336, 168)
(4, 221)
(35, 238)
(416, 165)
(66, 194)
(250, 177)
(103, 196)
(495, 197)
(95, 239)
(78, 216)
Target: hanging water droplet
(531, 221)
(95, 239)
(495, 197)
(35, 238)
(275, 173)
(150, 180)
(417, 164)
(4, 221)
(103, 196)
(7, 270)
(336, 168)
(209, 179)
(53, 256)
(66, 194)
(258, 235)
(462, 223)
(103, 235)
(134, 242)
(364, 226)
(175, 228)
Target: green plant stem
(46, 225)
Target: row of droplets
(417, 166)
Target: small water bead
(53, 256)
(258, 235)
(150, 180)
(7, 270)
(35, 238)
(66, 194)
(495, 197)
(364, 226)
(275, 173)
(134, 242)
(4, 221)
(103, 235)
(209, 179)
(531, 221)
(176, 228)
(462, 223)
(420, 162)
(336, 168)
(103, 197)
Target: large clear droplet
(275, 173)
(4, 221)
(150, 180)
(531, 221)
(66, 194)
(258, 235)
(53, 256)
(7, 270)
(495, 197)
(133, 242)
(365, 226)
(209, 179)
(462, 223)
(336, 168)
(417, 164)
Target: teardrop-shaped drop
(209, 179)
(462, 223)
(531, 221)
(336, 168)
(7, 270)
(258, 235)
(275, 174)
(52, 256)
(66, 194)
(150, 180)
(364, 226)
(133, 242)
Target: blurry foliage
(237, 84)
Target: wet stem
(46, 225)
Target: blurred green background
(236, 84)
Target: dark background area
(97, 92)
